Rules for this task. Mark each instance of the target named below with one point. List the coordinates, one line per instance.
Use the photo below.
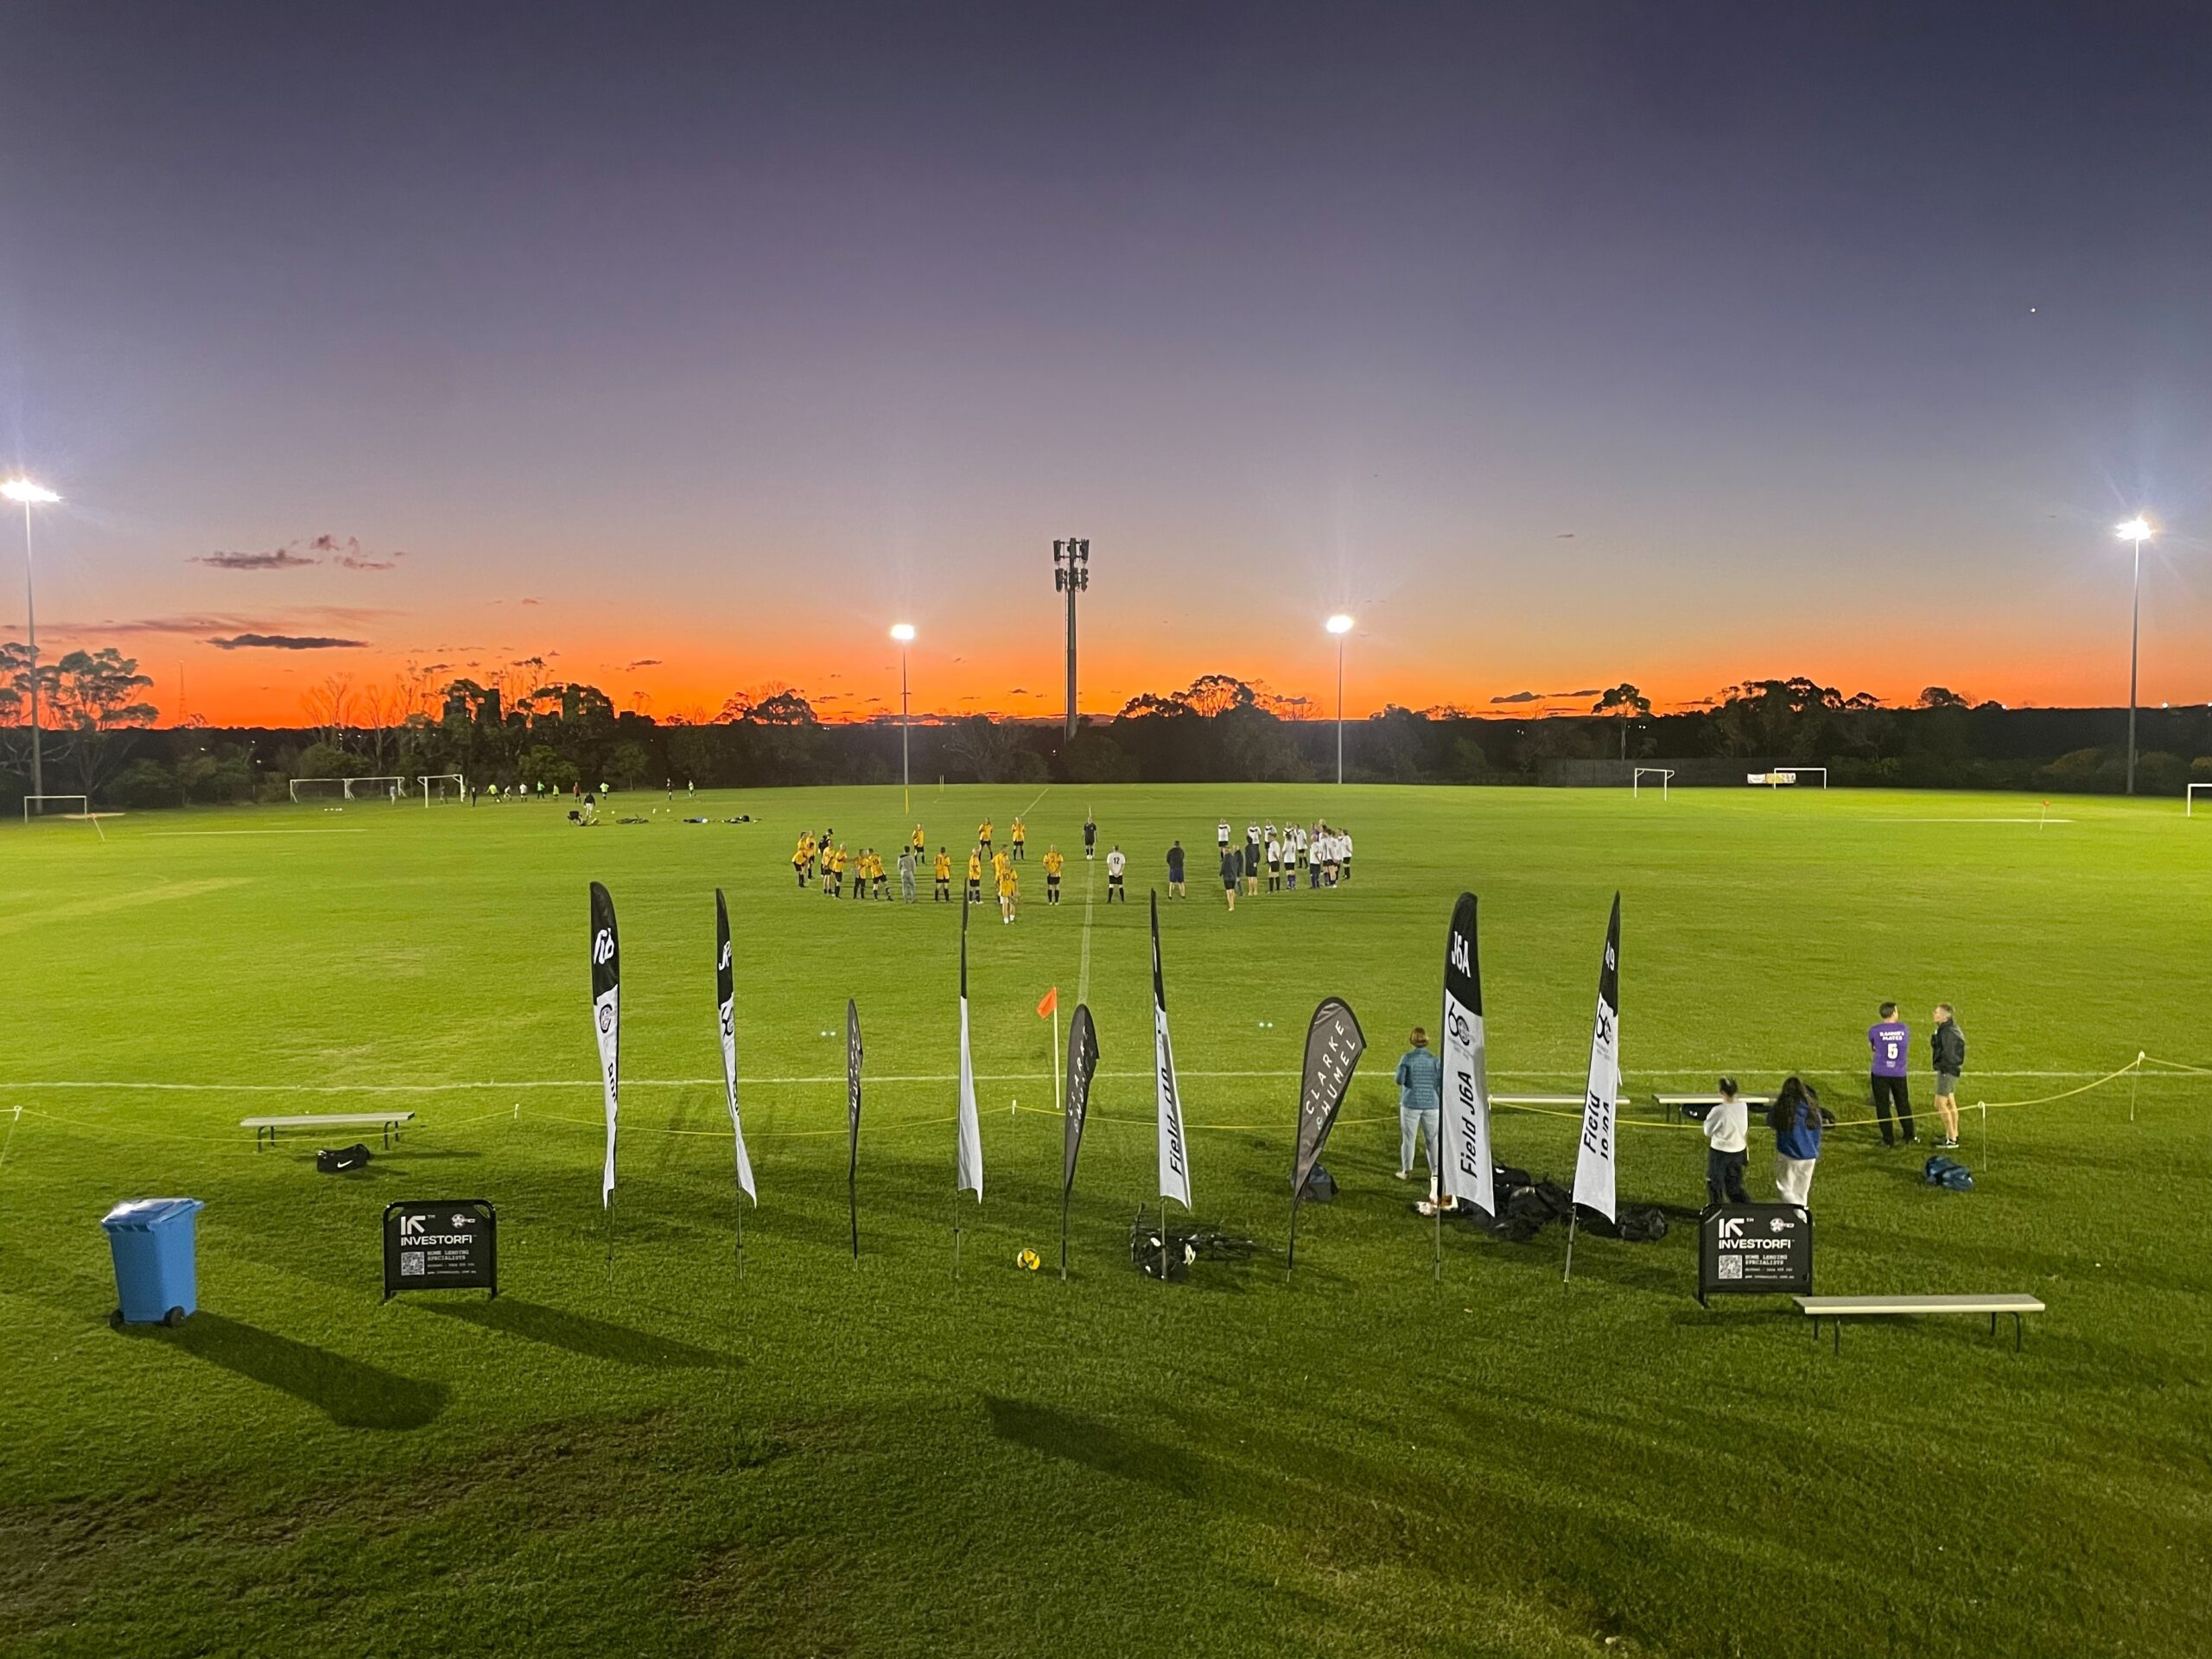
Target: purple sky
(1563, 343)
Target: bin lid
(142, 1215)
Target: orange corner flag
(1051, 1005)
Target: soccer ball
(1027, 1260)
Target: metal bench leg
(2016, 1333)
(1836, 1326)
(1993, 1323)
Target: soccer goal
(1788, 777)
(443, 786)
(2189, 798)
(1665, 774)
(306, 790)
(37, 808)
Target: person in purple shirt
(1891, 1040)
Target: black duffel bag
(337, 1160)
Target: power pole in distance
(1070, 576)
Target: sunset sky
(689, 349)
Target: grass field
(826, 1459)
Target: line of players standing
(1322, 855)
(823, 859)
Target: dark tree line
(1217, 729)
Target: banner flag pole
(1461, 1158)
(968, 1138)
(853, 1121)
(1082, 1066)
(1596, 1157)
(726, 1009)
(606, 1025)
(1173, 1149)
(1334, 1042)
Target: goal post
(37, 808)
(2189, 798)
(1665, 774)
(443, 786)
(306, 790)
(1787, 777)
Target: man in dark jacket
(1947, 1049)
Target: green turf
(822, 1459)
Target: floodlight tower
(1071, 576)
(1340, 625)
(904, 633)
(2136, 530)
(30, 495)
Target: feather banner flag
(969, 1136)
(606, 1021)
(1465, 1152)
(725, 1004)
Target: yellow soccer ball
(1028, 1260)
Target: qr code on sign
(410, 1264)
(1732, 1267)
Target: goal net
(1647, 777)
(442, 787)
(2189, 798)
(1788, 776)
(37, 808)
(389, 790)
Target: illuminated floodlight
(1338, 623)
(2135, 529)
(903, 633)
(29, 494)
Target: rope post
(1983, 1107)
(2134, 1083)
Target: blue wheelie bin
(157, 1280)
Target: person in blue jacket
(1794, 1118)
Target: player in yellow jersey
(1000, 864)
(942, 871)
(921, 847)
(983, 836)
(974, 875)
(1054, 863)
(1009, 891)
(1020, 838)
(802, 859)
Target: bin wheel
(173, 1317)
(115, 1320)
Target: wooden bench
(388, 1122)
(1837, 1309)
(1696, 1106)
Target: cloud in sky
(286, 642)
(1520, 697)
(645, 662)
(281, 558)
(344, 551)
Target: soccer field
(826, 1458)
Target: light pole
(2136, 530)
(1340, 625)
(1071, 576)
(30, 494)
(904, 633)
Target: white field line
(93, 1086)
(189, 834)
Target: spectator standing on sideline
(1794, 1118)
(1420, 1102)
(1948, 1046)
(1116, 862)
(1726, 1127)
(1891, 1039)
(1231, 869)
(1175, 871)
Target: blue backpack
(1948, 1172)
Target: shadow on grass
(1097, 1445)
(352, 1395)
(580, 1334)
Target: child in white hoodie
(1726, 1127)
